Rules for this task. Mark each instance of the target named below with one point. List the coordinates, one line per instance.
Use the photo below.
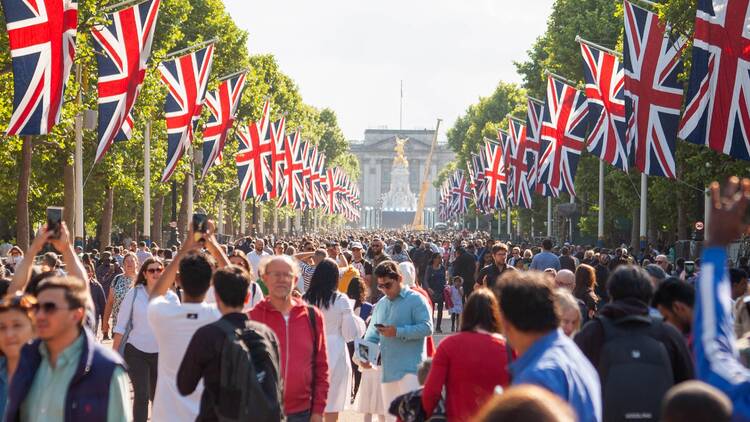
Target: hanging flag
(292, 189)
(718, 96)
(318, 181)
(653, 95)
(333, 189)
(506, 151)
(495, 175)
(42, 41)
(274, 161)
(460, 193)
(307, 160)
(223, 104)
(254, 145)
(186, 78)
(534, 113)
(123, 49)
(519, 168)
(564, 127)
(605, 94)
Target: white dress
(342, 326)
(369, 398)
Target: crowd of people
(303, 329)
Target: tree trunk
(69, 188)
(105, 236)
(22, 200)
(682, 231)
(182, 217)
(157, 220)
(635, 240)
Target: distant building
(376, 153)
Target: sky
(351, 56)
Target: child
(457, 306)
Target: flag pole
(570, 219)
(598, 46)
(220, 216)
(189, 176)
(600, 222)
(644, 215)
(147, 182)
(78, 165)
(706, 213)
(507, 215)
(549, 216)
(189, 48)
(122, 3)
(242, 217)
(499, 222)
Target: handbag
(128, 326)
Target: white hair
(408, 273)
(286, 259)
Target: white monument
(399, 197)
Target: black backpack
(634, 369)
(249, 384)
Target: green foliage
(181, 23)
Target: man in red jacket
(302, 341)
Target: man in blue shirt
(545, 259)
(400, 323)
(546, 356)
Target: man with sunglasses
(400, 323)
(65, 375)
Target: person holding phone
(401, 322)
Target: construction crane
(418, 223)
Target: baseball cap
(355, 245)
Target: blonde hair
(565, 301)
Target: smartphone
(689, 267)
(200, 222)
(54, 219)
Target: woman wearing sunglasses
(16, 329)
(140, 349)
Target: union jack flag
(534, 113)
(333, 189)
(222, 104)
(307, 160)
(653, 95)
(123, 49)
(495, 175)
(476, 170)
(718, 96)
(318, 180)
(250, 159)
(564, 128)
(460, 193)
(292, 191)
(275, 160)
(186, 78)
(605, 80)
(42, 38)
(520, 186)
(506, 151)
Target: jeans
(299, 417)
(142, 372)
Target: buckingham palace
(376, 159)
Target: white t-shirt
(254, 259)
(174, 324)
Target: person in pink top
(469, 364)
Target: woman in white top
(341, 326)
(141, 350)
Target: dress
(458, 305)
(341, 326)
(369, 397)
(120, 286)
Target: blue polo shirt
(557, 364)
(412, 317)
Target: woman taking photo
(16, 329)
(141, 351)
(435, 283)
(120, 286)
(469, 379)
(341, 326)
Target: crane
(418, 223)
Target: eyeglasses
(154, 270)
(47, 307)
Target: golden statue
(400, 159)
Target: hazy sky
(351, 55)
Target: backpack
(249, 384)
(634, 369)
